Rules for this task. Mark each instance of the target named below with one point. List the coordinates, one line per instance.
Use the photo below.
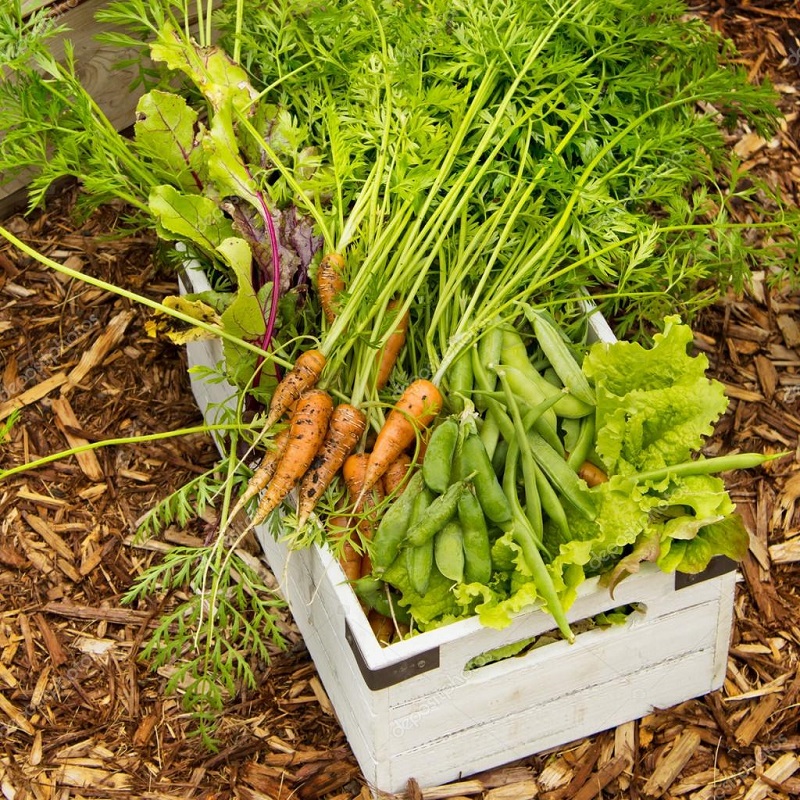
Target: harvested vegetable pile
(378, 194)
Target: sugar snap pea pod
(551, 505)
(490, 433)
(373, 593)
(477, 546)
(393, 526)
(707, 466)
(519, 448)
(419, 560)
(565, 481)
(583, 444)
(560, 356)
(448, 551)
(490, 347)
(525, 537)
(459, 381)
(543, 423)
(436, 515)
(531, 386)
(474, 459)
(438, 462)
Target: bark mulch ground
(82, 716)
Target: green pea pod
(448, 551)
(477, 547)
(583, 443)
(475, 459)
(459, 381)
(490, 433)
(393, 526)
(419, 560)
(419, 565)
(550, 503)
(529, 385)
(564, 480)
(436, 516)
(559, 354)
(438, 462)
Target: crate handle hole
(621, 615)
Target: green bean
(707, 466)
(525, 537)
(477, 547)
(448, 548)
(499, 457)
(487, 487)
(393, 526)
(436, 516)
(566, 482)
(438, 462)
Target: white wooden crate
(411, 709)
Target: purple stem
(276, 276)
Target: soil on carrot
(83, 716)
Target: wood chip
(600, 779)
(785, 552)
(755, 721)
(58, 655)
(49, 535)
(32, 395)
(66, 420)
(669, 766)
(450, 790)
(524, 790)
(15, 715)
(783, 768)
(101, 347)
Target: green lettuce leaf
(654, 406)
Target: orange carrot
(345, 429)
(349, 557)
(365, 567)
(382, 627)
(263, 475)
(387, 355)
(354, 470)
(329, 284)
(412, 413)
(307, 429)
(395, 475)
(593, 475)
(303, 375)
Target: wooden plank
(96, 65)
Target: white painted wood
(447, 723)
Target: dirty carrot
(593, 475)
(346, 426)
(388, 354)
(307, 429)
(349, 557)
(329, 284)
(303, 375)
(395, 475)
(263, 475)
(411, 414)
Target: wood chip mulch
(82, 716)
